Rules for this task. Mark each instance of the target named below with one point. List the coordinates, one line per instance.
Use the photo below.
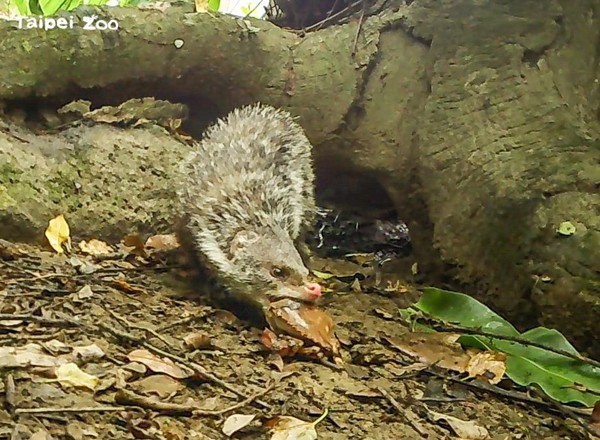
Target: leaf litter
(129, 350)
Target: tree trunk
(480, 120)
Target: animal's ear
(241, 241)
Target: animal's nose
(313, 290)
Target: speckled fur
(248, 191)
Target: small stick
(401, 411)
(40, 319)
(469, 331)
(566, 412)
(360, 22)
(124, 321)
(70, 409)
(131, 398)
(189, 365)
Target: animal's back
(247, 190)
(255, 166)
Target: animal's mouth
(309, 292)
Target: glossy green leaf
(51, 7)
(22, 6)
(213, 5)
(561, 377)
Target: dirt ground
(53, 308)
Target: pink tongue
(313, 290)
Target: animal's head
(268, 263)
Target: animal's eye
(278, 272)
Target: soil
(150, 384)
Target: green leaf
(51, 7)
(22, 6)
(566, 228)
(557, 375)
(214, 5)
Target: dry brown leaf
(283, 346)
(156, 364)
(487, 365)
(440, 349)
(160, 384)
(70, 375)
(236, 422)
(276, 361)
(464, 429)
(40, 435)
(162, 242)
(88, 353)
(595, 419)
(128, 288)
(80, 431)
(197, 341)
(134, 244)
(28, 355)
(304, 322)
(95, 247)
(58, 234)
(85, 292)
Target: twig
(565, 411)
(40, 319)
(483, 386)
(358, 29)
(126, 397)
(200, 370)
(69, 409)
(469, 331)
(177, 322)
(39, 277)
(330, 18)
(402, 411)
(124, 321)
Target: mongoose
(248, 192)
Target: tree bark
(479, 120)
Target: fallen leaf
(236, 422)
(88, 353)
(462, 428)
(197, 341)
(283, 346)
(160, 384)
(58, 234)
(85, 292)
(71, 376)
(134, 244)
(566, 228)
(304, 322)
(40, 435)
(162, 242)
(28, 355)
(128, 288)
(83, 266)
(95, 247)
(156, 364)
(487, 365)
(291, 428)
(440, 349)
